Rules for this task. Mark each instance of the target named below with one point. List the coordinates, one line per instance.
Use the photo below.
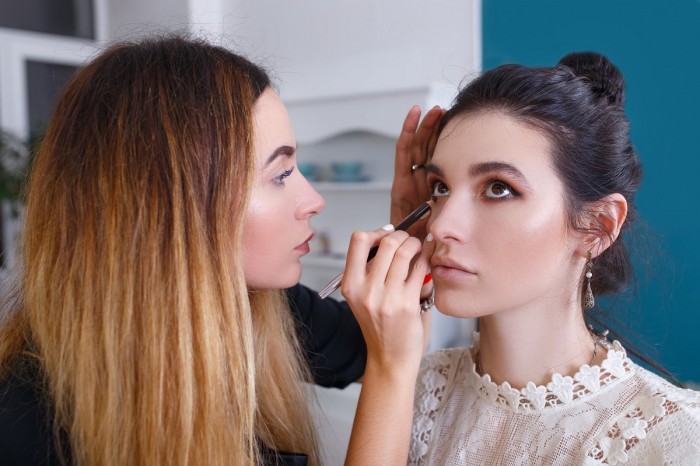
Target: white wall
(135, 17)
(322, 48)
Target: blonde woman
(164, 217)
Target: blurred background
(349, 71)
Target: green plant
(14, 162)
(14, 157)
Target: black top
(329, 334)
(26, 436)
(330, 337)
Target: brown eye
(440, 189)
(498, 190)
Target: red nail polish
(427, 278)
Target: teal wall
(656, 44)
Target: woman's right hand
(384, 295)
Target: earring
(588, 299)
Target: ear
(602, 223)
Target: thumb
(421, 267)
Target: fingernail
(429, 238)
(388, 227)
(427, 278)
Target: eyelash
(513, 193)
(279, 180)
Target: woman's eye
(498, 190)
(439, 189)
(279, 180)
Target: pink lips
(304, 247)
(445, 268)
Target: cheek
(531, 247)
(258, 235)
(266, 249)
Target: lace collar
(561, 390)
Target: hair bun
(605, 78)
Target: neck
(520, 346)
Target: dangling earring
(588, 299)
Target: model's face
(499, 221)
(277, 226)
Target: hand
(384, 295)
(415, 146)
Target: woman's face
(499, 220)
(277, 226)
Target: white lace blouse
(615, 413)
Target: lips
(444, 261)
(443, 267)
(304, 247)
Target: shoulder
(672, 416)
(671, 403)
(660, 424)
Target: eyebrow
(281, 150)
(484, 168)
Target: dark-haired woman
(533, 181)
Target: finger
(428, 128)
(430, 148)
(360, 244)
(432, 142)
(386, 254)
(404, 144)
(421, 267)
(401, 264)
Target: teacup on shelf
(348, 172)
(309, 170)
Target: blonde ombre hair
(132, 299)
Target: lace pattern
(614, 448)
(611, 414)
(432, 385)
(561, 389)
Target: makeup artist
(164, 218)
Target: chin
(276, 280)
(291, 278)
(454, 305)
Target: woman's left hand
(414, 149)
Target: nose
(312, 203)
(450, 221)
